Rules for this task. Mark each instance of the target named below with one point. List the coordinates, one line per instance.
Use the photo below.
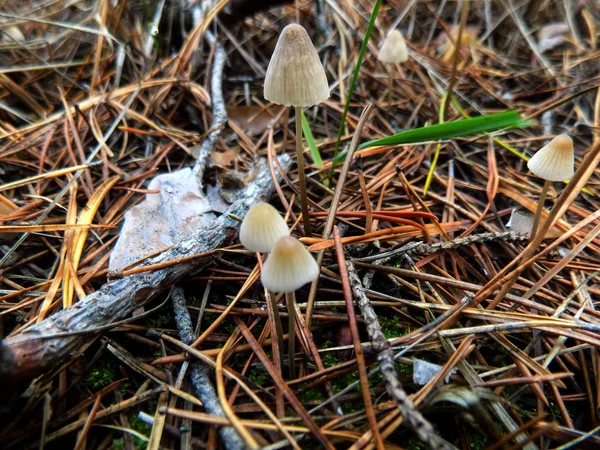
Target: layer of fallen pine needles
(97, 98)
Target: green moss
(192, 300)
(375, 379)
(415, 444)
(258, 375)
(311, 395)
(392, 326)
(101, 375)
(141, 427)
(478, 441)
(165, 320)
(500, 356)
(329, 360)
(326, 344)
(402, 368)
(229, 325)
(555, 410)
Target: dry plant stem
(538, 211)
(365, 194)
(291, 307)
(334, 204)
(199, 374)
(301, 174)
(360, 359)
(35, 351)
(385, 357)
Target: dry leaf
(175, 213)
(224, 159)
(254, 120)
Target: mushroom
(262, 227)
(289, 267)
(393, 51)
(295, 77)
(553, 162)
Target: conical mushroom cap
(289, 266)
(12, 32)
(262, 227)
(555, 161)
(295, 76)
(393, 49)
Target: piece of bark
(199, 373)
(34, 351)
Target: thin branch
(199, 372)
(381, 345)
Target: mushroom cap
(13, 32)
(262, 227)
(295, 76)
(554, 161)
(289, 266)
(393, 49)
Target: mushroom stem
(538, 212)
(291, 306)
(276, 320)
(390, 87)
(301, 176)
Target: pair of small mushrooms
(289, 265)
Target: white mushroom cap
(555, 161)
(393, 49)
(289, 266)
(262, 227)
(295, 76)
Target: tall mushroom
(295, 77)
(553, 162)
(289, 267)
(393, 51)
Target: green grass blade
(448, 130)
(363, 50)
(312, 144)
(497, 140)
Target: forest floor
(438, 320)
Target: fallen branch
(385, 357)
(35, 350)
(218, 107)
(421, 248)
(199, 372)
